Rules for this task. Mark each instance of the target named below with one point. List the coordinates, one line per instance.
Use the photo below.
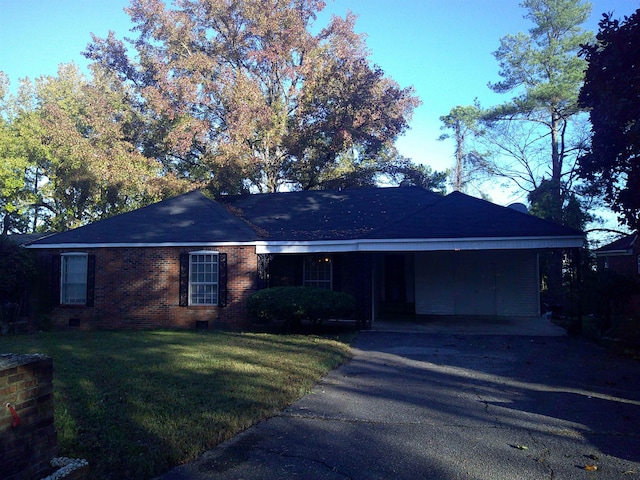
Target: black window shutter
(91, 280)
(55, 279)
(222, 280)
(184, 280)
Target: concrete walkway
(423, 405)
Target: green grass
(134, 404)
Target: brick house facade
(621, 256)
(192, 261)
(139, 287)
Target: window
(318, 271)
(73, 279)
(203, 278)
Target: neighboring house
(621, 256)
(192, 261)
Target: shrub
(16, 271)
(608, 295)
(292, 305)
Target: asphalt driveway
(417, 404)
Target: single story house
(621, 256)
(193, 261)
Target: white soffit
(367, 245)
(614, 253)
(413, 245)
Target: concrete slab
(533, 326)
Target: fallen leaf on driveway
(520, 447)
(591, 468)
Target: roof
(329, 215)
(24, 238)
(191, 218)
(399, 218)
(461, 216)
(622, 246)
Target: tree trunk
(555, 268)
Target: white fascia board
(614, 253)
(141, 245)
(335, 246)
(366, 245)
(407, 245)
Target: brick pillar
(26, 448)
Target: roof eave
(614, 253)
(58, 246)
(356, 245)
(421, 244)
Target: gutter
(356, 245)
(614, 253)
(413, 244)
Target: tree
(72, 156)
(543, 200)
(241, 95)
(97, 172)
(611, 92)
(539, 133)
(12, 182)
(536, 137)
(465, 123)
(14, 167)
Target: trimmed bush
(292, 305)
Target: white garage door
(477, 283)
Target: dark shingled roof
(189, 218)
(460, 216)
(624, 243)
(329, 215)
(365, 213)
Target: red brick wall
(625, 264)
(26, 383)
(139, 288)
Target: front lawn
(134, 404)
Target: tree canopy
(233, 96)
(465, 123)
(67, 155)
(611, 92)
(242, 95)
(536, 136)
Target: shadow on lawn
(135, 404)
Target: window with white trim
(318, 271)
(73, 279)
(203, 278)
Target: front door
(397, 291)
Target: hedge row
(292, 305)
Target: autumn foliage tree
(242, 95)
(69, 155)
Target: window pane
(203, 278)
(74, 280)
(317, 272)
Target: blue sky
(441, 47)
